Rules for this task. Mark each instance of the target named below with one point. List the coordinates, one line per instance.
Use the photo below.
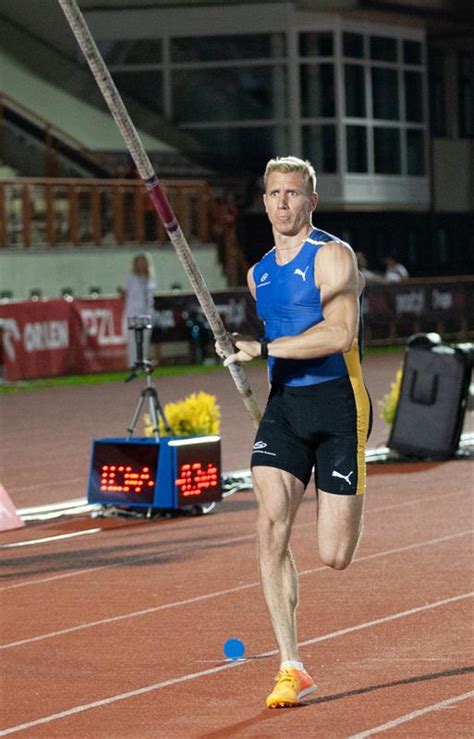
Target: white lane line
(45, 539)
(132, 560)
(86, 571)
(397, 550)
(215, 594)
(384, 619)
(228, 665)
(224, 542)
(50, 507)
(119, 697)
(414, 714)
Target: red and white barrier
(46, 338)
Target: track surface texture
(114, 627)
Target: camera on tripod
(139, 323)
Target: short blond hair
(292, 164)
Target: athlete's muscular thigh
(339, 527)
(278, 494)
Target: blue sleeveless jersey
(288, 301)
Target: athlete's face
(288, 202)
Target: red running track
(118, 630)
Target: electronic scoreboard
(169, 473)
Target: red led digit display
(194, 479)
(198, 477)
(123, 472)
(174, 473)
(121, 479)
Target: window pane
(244, 149)
(316, 44)
(355, 90)
(356, 144)
(385, 93)
(319, 146)
(317, 90)
(131, 51)
(415, 152)
(353, 45)
(146, 87)
(412, 52)
(217, 94)
(383, 48)
(413, 97)
(387, 150)
(237, 46)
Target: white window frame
(342, 188)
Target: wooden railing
(73, 212)
(65, 212)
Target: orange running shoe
(291, 687)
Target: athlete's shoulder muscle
(251, 281)
(335, 264)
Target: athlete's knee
(338, 557)
(337, 560)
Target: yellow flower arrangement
(388, 405)
(196, 415)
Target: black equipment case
(433, 398)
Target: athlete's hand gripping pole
(137, 151)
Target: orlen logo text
(36, 336)
(11, 333)
(45, 335)
(99, 322)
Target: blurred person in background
(138, 290)
(363, 268)
(394, 271)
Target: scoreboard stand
(172, 473)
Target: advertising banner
(175, 315)
(46, 338)
(103, 339)
(393, 312)
(38, 339)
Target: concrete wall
(93, 127)
(82, 268)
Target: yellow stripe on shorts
(362, 402)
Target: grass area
(182, 369)
(374, 350)
(102, 378)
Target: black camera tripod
(149, 392)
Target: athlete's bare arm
(338, 279)
(251, 282)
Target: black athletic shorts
(324, 426)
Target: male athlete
(307, 289)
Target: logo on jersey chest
(300, 272)
(264, 280)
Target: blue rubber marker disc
(234, 649)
